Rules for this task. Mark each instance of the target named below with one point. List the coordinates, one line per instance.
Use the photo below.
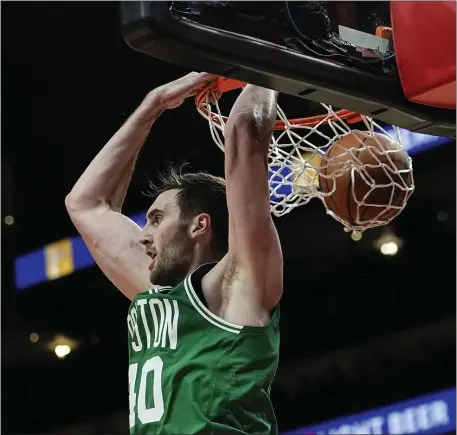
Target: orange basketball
(361, 169)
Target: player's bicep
(253, 239)
(113, 241)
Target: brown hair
(198, 192)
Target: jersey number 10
(146, 415)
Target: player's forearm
(255, 106)
(106, 179)
(120, 191)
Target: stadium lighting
(62, 345)
(356, 236)
(388, 244)
(389, 248)
(442, 216)
(9, 220)
(62, 350)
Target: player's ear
(200, 225)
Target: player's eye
(156, 219)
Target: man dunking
(203, 322)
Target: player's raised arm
(255, 257)
(94, 204)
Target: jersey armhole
(194, 291)
(192, 285)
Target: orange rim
(223, 84)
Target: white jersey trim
(160, 288)
(207, 314)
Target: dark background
(359, 330)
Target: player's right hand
(173, 94)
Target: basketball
(360, 179)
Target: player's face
(166, 240)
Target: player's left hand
(173, 94)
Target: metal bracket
(150, 27)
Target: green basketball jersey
(192, 372)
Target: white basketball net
(296, 163)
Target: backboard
(217, 39)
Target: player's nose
(145, 241)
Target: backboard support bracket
(151, 28)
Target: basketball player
(203, 322)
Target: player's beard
(173, 262)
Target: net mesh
(300, 162)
